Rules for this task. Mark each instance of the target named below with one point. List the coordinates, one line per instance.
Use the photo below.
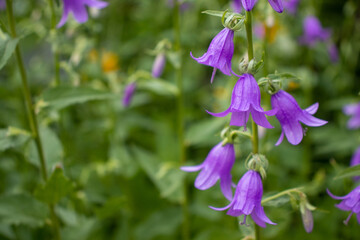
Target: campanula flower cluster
(245, 102)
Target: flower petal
(220, 114)
(260, 218)
(206, 179)
(277, 5)
(260, 119)
(192, 168)
(96, 4)
(239, 119)
(334, 196)
(281, 138)
(310, 120)
(221, 209)
(248, 4)
(293, 132)
(225, 185)
(312, 109)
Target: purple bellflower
(313, 32)
(275, 4)
(2, 4)
(289, 114)
(350, 202)
(291, 6)
(78, 9)
(354, 111)
(245, 99)
(236, 6)
(219, 53)
(217, 165)
(158, 66)
(247, 200)
(128, 94)
(355, 160)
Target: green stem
(31, 112)
(255, 137)
(180, 119)
(56, 54)
(286, 192)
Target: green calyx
(233, 21)
(258, 163)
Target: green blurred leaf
(277, 202)
(81, 230)
(161, 223)
(22, 209)
(111, 208)
(166, 176)
(159, 86)
(12, 137)
(348, 172)
(7, 48)
(62, 97)
(52, 148)
(57, 187)
(220, 13)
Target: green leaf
(7, 48)
(62, 97)
(166, 176)
(159, 86)
(57, 187)
(23, 209)
(349, 172)
(111, 208)
(277, 201)
(53, 150)
(220, 13)
(12, 137)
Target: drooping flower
(275, 4)
(353, 110)
(291, 6)
(289, 114)
(2, 4)
(247, 200)
(128, 94)
(158, 66)
(355, 160)
(236, 6)
(78, 9)
(313, 32)
(219, 53)
(350, 202)
(217, 166)
(245, 99)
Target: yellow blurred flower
(109, 62)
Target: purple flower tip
(291, 6)
(219, 53)
(247, 200)
(355, 160)
(158, 66)
(275, 4)
(236, 6)
(128, 94)
(353, 110)
(245, 99)
(290, 115)
(2, 4)
(350, 202)
(313, 32)
(217, 166)
(78, 9)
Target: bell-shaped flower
(78, 9)
(313, 32)
(217, 166)
(290, 115)
(128, 94)
(219, 53)
(247, 200)
(245, 99)
(158, 66)
(350, 202)
(275, 4)
(353, 110)
(355, 160)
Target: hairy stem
(180, 120)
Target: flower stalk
(31, 113)
(55, 51)
(180, 119)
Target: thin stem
(180, 119)
(255, 136)
(31, 113)
(55, 51)
(26, 91)
(286, 192)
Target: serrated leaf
(62, 97)
(348, 172)
(7, 48)
(57, 187)
(159, 86)
(12, 137)
(23, 209)
(53, 150)
(166, 176)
